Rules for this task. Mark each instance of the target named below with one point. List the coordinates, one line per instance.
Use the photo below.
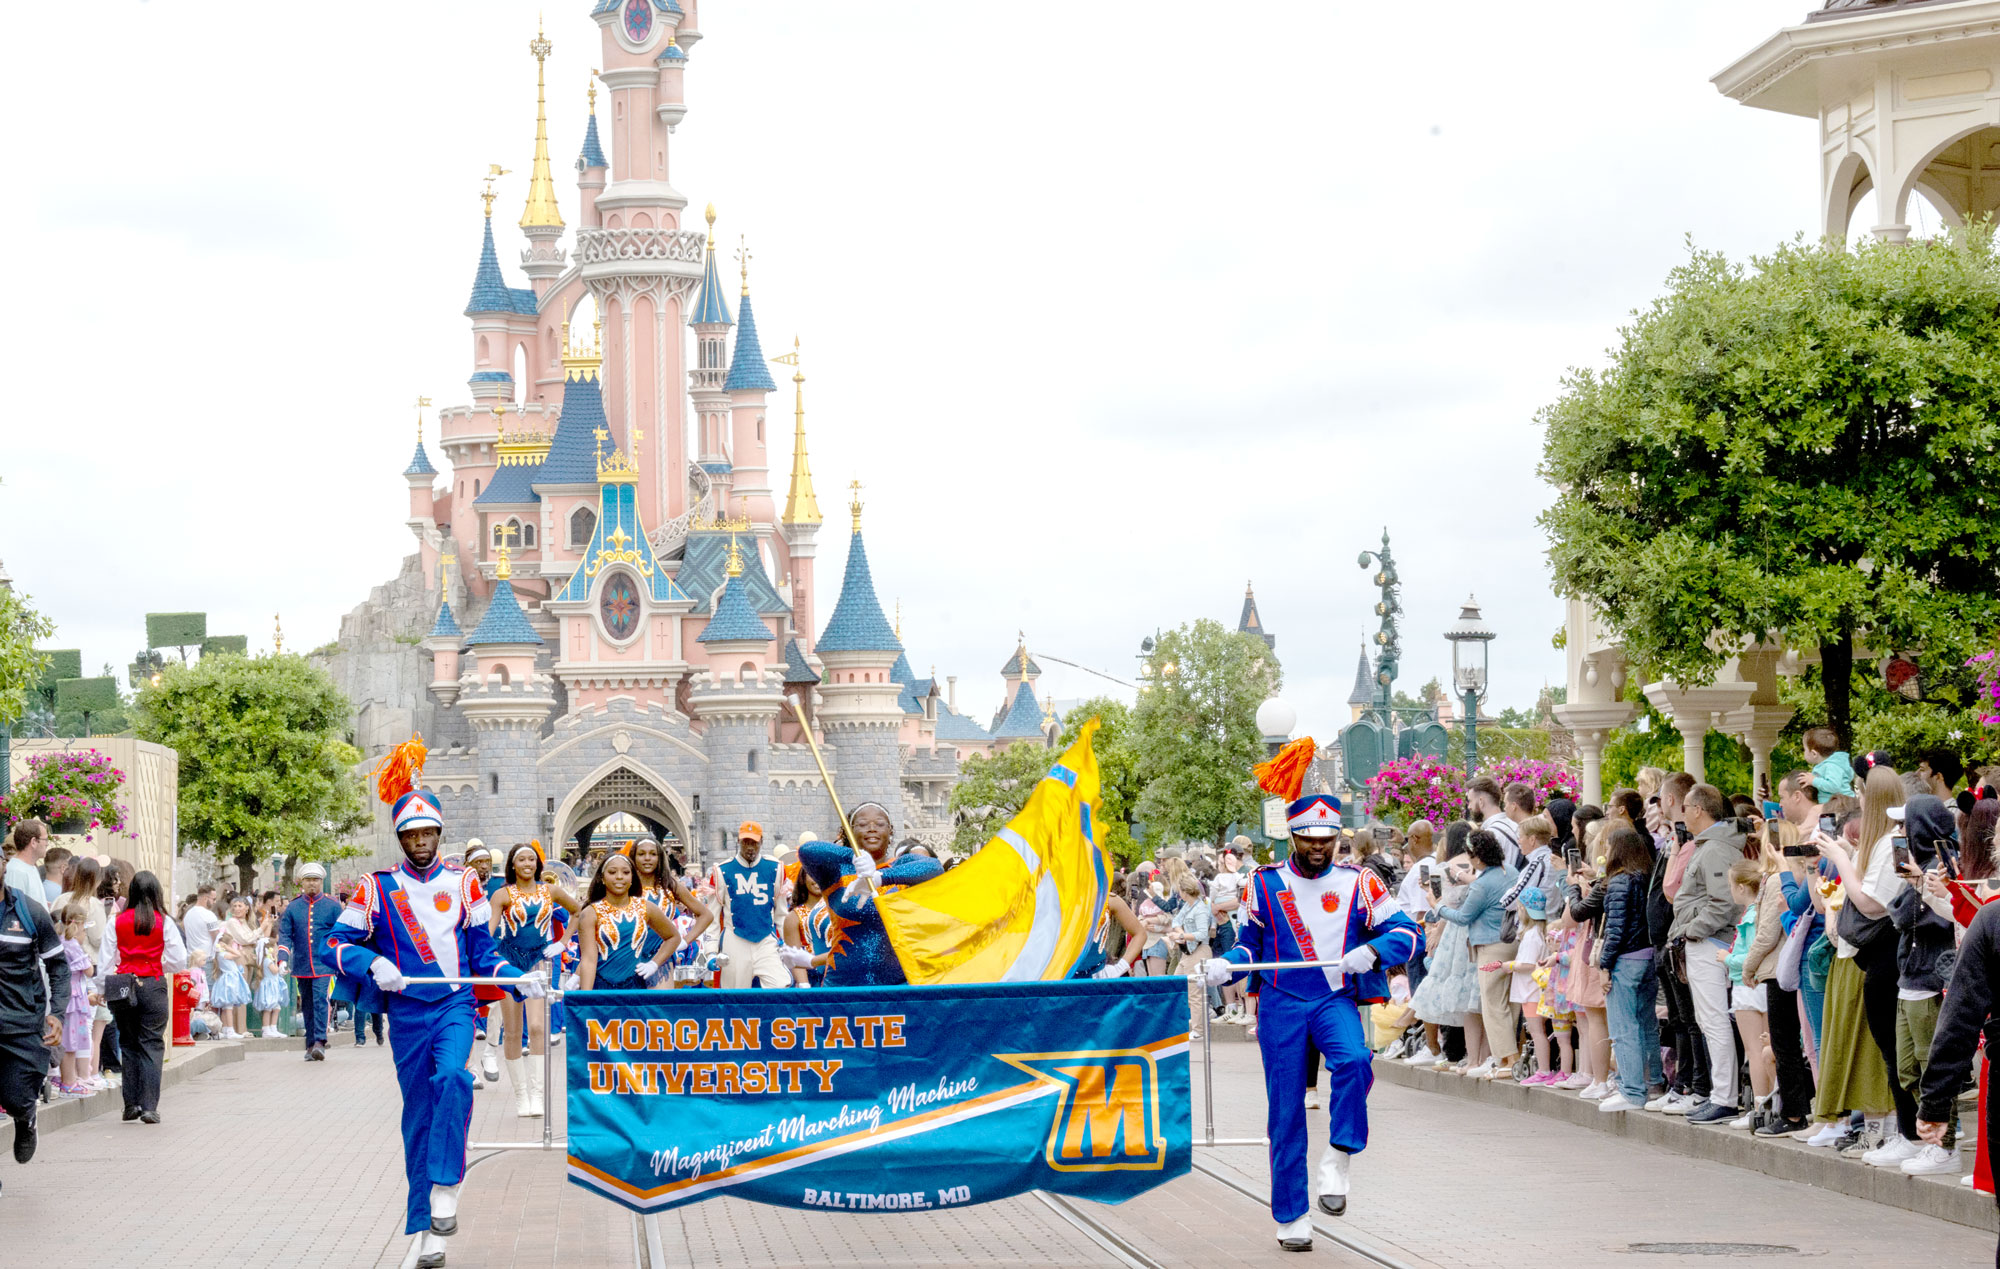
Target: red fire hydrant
(183, 1008)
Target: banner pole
(846, 829)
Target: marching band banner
(878, 1099)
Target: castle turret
(802, 519)
(709, 316)
(859, 703)
(541, 220)
(736, 699)
(507, 702)
(591, 168)
(749, 380)
(420, 475)
(1022, 717)
(443, 641)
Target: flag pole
(846, 829)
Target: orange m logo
(1107, 1109)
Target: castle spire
(542, 211)
(711, 307)
(800, 505)
(593, 152)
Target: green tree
(1194, 731)
(264, 768)
(116, 721)
(1798, 446)
(992, 790)
(21, 667)
(1117, 769)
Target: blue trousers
(1635, 1028)
(313, 1007)
(430, 1041)
(1333, 1023)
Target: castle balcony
(605, 253)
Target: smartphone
(1437, 886)
(1682, 835)
(1573, 856)
(1948, 858)
(1772, 811)
(1826, 825)
(1901, 845)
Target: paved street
(271, 1161)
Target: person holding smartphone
(1926, 950)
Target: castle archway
(621, 786)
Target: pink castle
(612, 610)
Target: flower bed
(1420, 788)
(1547, 779)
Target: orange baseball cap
(750, 829)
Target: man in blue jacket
(1305, 909)
(302, 932)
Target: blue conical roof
(504, 621)
(572, 456)
(747, 369)
(593, 153)
(420, 465)
(796, 669)
(857, 624)
(735, 620)
(446, 625)
(1024, 716)
(711, 306)
(490, 292)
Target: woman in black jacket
(1627, 944)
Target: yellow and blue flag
(1024, 906)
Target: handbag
(1792, 956)
(1673, 959)
(121, 989)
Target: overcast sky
(1112, 306)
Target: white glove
(864, 863)
(796, 957)
(386, 975)
(648, 971)
(533, 986)
(1217, 971)
(553, 951)
(1358, 961)
(1112, 969)
(572, 982)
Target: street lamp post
(1469, 636)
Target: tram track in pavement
(1116, 1245)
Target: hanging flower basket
(74, 791)
(1421, 788)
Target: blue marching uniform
(622, 937)
(1292, 917)
(528, 924)
(819, 936)
(429, 924)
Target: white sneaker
(1616, 1102)
(1966, 1180)
(1481, 1071)
(1312, 1098)
(1891, 1153)
(1931, 1159)
(489, 1064)
(1827, 1135)
(1659, 1104)
(1741, 1121)
(1423, 1057)
(1574, 1082)
(1595, 1092)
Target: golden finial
(801, 507)
(899, 620)
(422, 401)
(493, 173)
(710, 214)
(277, 633)
(594, 73)
(504, 567)
(743, 259)
(579, 361)
(735, 558)
(601, 435)
(855, 504)
(542, 210)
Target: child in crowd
(76, 1047)
(1748, 1004)
(1523, 990)
(1394, 1016)
(273, 988)
(1833, 771)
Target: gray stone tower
(859, 709)
(736, 707)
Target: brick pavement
(271, 1161)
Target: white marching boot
(1333, 1181)
(534, 1068)
(517, 1075)
(444, 1210)
(1297, 1236)
(489, 1063)
(430, 1251)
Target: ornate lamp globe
(1275, 720)
(1469, 636)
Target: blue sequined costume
(859, 954)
